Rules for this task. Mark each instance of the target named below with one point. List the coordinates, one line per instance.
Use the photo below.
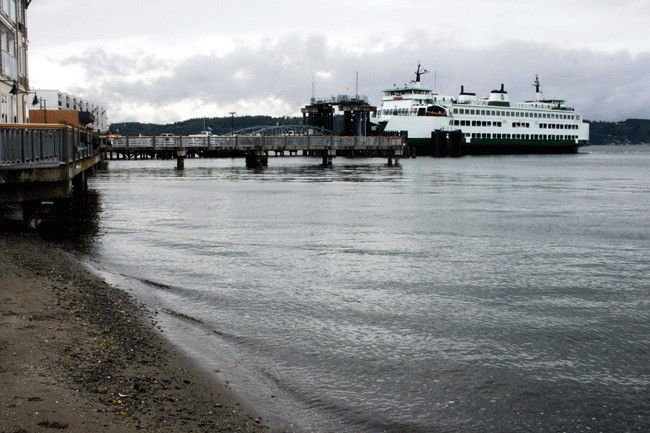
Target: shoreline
(78, 354)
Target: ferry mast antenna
(419, 73)
(536, 83)
(356, 88)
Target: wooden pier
(45, 162)
(48, 164)
(255, 149)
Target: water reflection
(77, 231)
(287, 170)
(472, 294)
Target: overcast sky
(166, 61)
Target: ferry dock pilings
(255, 149)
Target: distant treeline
(218, 125)
(631, 131)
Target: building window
(9, 9)
(8, 62)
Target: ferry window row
(399, 112)
(557, 126)
(475, 123)
(510, 113)
(521, 136)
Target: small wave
(156, 284)
(183, 316)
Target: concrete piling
(180, 159)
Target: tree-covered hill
(218, 125)
(630, 131)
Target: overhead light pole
(15, 91)
(232, 122)
(42, 104)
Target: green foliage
(219, 125)
(630, 131)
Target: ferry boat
(467, 124)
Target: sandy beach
(78, 355)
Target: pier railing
(45, 162)
(296, 142)
(45, 145)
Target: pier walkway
(45, 162)
(256, 148)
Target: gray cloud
(602, 86)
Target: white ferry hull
(480, 125)
(480, 140)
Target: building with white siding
(14, 83)
(17, 100)
(48, 99)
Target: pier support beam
(30, 209)
(328, 154)
(447, 143)
(396, 155)
(257, 158)
(319, 114)
(180, 159)
(80, 184)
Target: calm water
(482, 294)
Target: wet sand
(78, 355)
